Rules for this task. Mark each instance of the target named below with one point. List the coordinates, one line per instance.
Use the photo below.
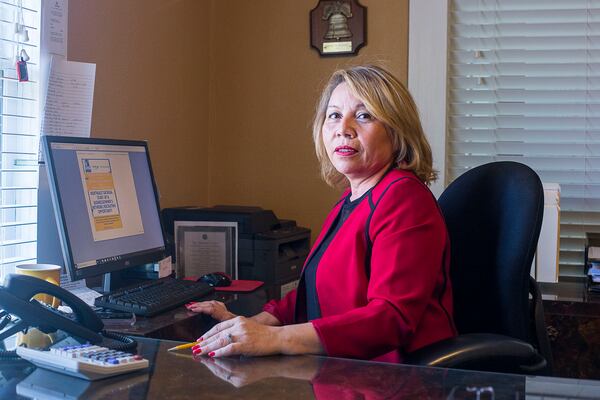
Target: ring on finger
(230, 337)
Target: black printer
(271, 250)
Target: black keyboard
(155, 296)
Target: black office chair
(494, 216)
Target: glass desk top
(182, 376)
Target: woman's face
(357, 144)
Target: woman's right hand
(215, 309)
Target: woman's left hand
(239, 336)
(241, 371)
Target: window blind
(19, 133)
(524, 85)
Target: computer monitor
(105, 202)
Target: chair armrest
(482, 352)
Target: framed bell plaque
(337, 27)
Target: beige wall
(152, 71)
(224, 90)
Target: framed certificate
(202, 247)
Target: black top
(313, 310)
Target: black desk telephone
(16, 300)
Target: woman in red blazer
(376, 283)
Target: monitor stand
(106, 282)
(117, 279)
(112, 281)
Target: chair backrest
(494, 216)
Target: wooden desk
(182, 376)
(181, 324)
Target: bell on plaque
(337, 13)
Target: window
(19, 133)
(524, 85)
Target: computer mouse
(216, 279)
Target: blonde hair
(388, 101)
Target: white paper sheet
(79, 289)
(165, 267)
(54, 26)
(593, 253)
(69, 99)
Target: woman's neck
(358, 187)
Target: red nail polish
(211, 354)
(195, 347)
(197, 351)
(199, 339)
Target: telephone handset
(16, 298)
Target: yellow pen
(183, 346)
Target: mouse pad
(237, 285)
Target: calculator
(85, 361)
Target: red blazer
(401, 300)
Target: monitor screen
(106, 203)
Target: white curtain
(19, 131)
